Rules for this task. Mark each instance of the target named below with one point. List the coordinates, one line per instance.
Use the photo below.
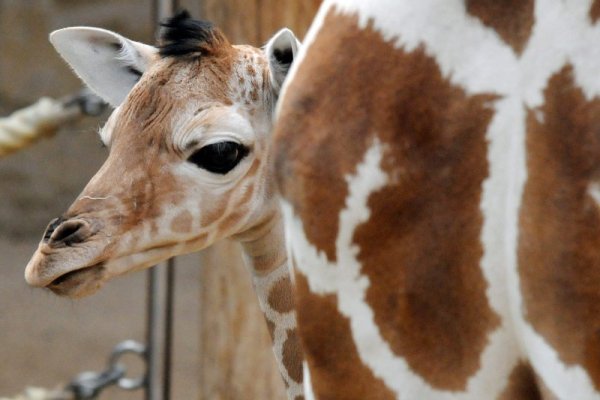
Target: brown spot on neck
(421, 248)
(292, 356)
(511, 19)
(280, 299)
(559, 245)
(521, 385)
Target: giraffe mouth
(80, 282)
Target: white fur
(93, 55)
(308, 390)
(594, 192)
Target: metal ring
(129, 346)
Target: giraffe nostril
(52, 227)
(69, 232)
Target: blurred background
(46, 340)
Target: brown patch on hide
(511, 19)
(421, 247)
(337, 372)
(559, 241)
(521, 385)
(595, 11)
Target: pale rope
(41, 394)
(41, 119)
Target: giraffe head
(188, 151)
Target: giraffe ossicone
(189, 164)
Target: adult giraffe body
(439, 162)
(189, 164)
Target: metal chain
(88, 385)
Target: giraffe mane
(183, 36)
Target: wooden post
(235, 349)
(236, 360)
(255, 21)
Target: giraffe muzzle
(68, 259)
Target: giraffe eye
(220, 157)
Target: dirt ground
(46, 340)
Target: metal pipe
(152, 305)
(168, 343)
(161, 282)
(159, 330)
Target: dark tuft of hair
(184, 36)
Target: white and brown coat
(439, 162)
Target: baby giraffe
(189, 165)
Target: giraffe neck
(265, 256)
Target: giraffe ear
(105, 61)
(281, 50)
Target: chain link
(88, 385)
